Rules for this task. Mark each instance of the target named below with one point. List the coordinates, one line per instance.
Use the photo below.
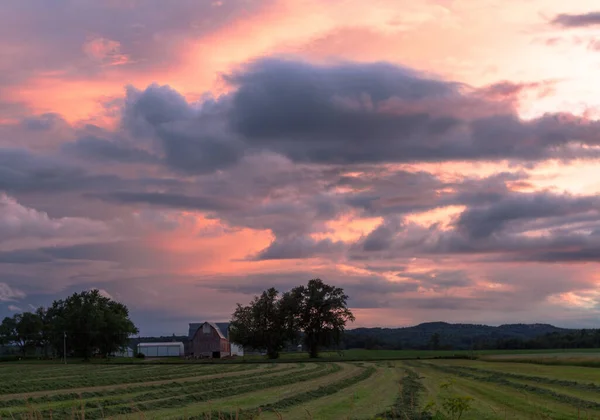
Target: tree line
(87, 322)
(315, 315)
(578, 339)
(472, 337)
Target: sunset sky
(438, 159)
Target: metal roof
(164, 343)
(221, 327)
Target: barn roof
(164, 343)
(221, 327)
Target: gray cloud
(193, 138)
(501, 226)
(349, 114)
(299, 247)
(44, 121)
(169, 200)
(482, 222)
(101, 149)
(382, 237)
(357, 113)
(576, 21)
(23, 171)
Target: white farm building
(165, 349)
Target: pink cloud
(105, 51)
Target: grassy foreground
(493, 387)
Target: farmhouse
(211, 339)
(165, 349)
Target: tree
(434, 342)
(7, 331)
(45, 334)
(262, 324)
(321, 314)
(93, 323)
(22, 330)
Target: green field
(500, 387)
(356, 355)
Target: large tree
(321, 314)
(22, 330)
(45, 335)
(93, 324)
(262, 324)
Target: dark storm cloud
(577, 20)
(482, 222)
(44, 121)
(152, 107)
(192, 138)
(24, 256)
(356, 113)
(349, 114)
(565, 231)
(170, 200)
(376, 192)
(299, 247)
(499, 225)
(383, 236)
(94, 148)
(291, 108)
(23, 171)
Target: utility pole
(65, 345)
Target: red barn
(209, 341)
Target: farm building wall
(223, 328)
(174, 349)
(208, 341)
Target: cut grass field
(353, 355)
(515, 390)
(500, 389)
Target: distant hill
(454, 336)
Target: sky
(438, 159)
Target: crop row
(140, 393)
(134, 389)
(224, 391)
(37, 372)
(322, 391)
(300, 398)
(91, 380)
(531, 378)
(499, 380)
(43, 373)
(408, 403)
(179, 396)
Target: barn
(211, 339)
(165, 349)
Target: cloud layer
(422, 188)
